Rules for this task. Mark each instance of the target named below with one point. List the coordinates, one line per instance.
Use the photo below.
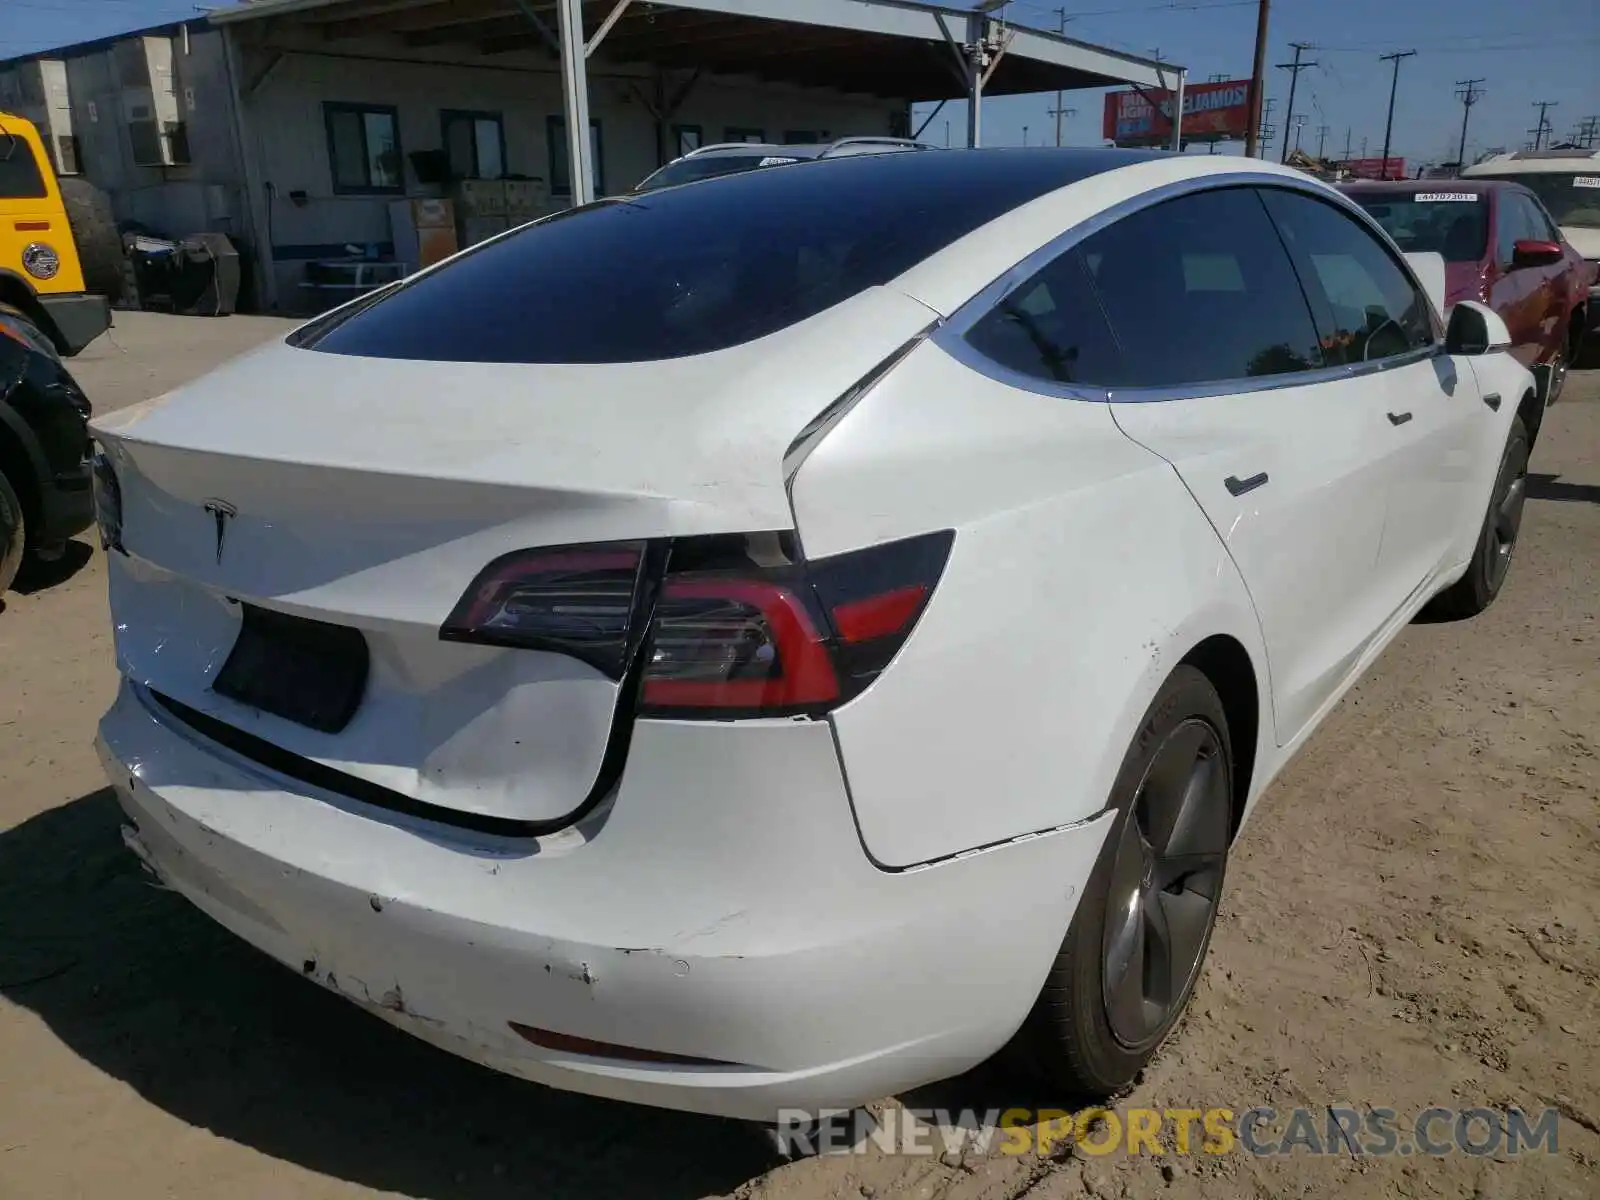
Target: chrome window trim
(951, 336)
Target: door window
(1199, 290)
(1052, 327)
(1534, 221)
(1368, 305)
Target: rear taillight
(727, 626)
(573, 600)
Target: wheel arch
(18, 463)
(1224, 660)
(19, 294)
(1531, 409)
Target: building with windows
(309, 130)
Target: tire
(1497, 538)
(1553, 376)
(1084, 1034)
(13, 535)
(94, 230)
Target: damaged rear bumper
(720, 909)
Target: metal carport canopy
(888, 48)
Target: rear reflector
(548, 1040)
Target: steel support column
(575, 90)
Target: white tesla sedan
(775, 641)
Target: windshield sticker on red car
(1429, 197)
(1586, 181)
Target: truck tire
(94, 229)
(13, 535)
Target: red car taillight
(573, 600)
(723, 627)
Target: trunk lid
(368, 493)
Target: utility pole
(1058, 111)
(1267, 131)
(1588, 132)
(1294, 70)
(1470, 94)
(1347, 143)
(1396, 58)
(1299, 124)
(1258, 85)
(1322, 139)
(1543, 127)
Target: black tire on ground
(1076, 1038)
(13, 534)
(94, 229)
(1497, 539)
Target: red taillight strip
(879, 616)
(546, 1039)
(807, 675)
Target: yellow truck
(54, 233)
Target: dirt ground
(1412, 920)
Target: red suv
(1500, 248)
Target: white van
(1568, 183)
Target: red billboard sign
(1211, 111)
(1374, 168)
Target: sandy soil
(1412, 920)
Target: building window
(738, 134)
(800, 137)
(475, 143)
(364, 148)
(561, 158)
(687, 138)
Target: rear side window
(693, 270)
(20, 178)
(1199, 290)
(1052, 328)
(1367, 305)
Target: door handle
(1399, 418)
(1492, 399)
(1239, 487)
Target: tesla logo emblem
(221, 512)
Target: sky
(1523, 50)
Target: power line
(1470, 94)
(1397, 58)
(1322, 139)
(1294, 70)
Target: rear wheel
(1555, 373)
(1133, 952)
(94, 231)
(13, 534)
(1497, 539)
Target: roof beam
(436, 14)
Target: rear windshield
(1454, 224)
(692, 270)
(690, 169)
(19, 173)
(1571, 199)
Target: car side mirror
(1475, 329)
(1535, 252)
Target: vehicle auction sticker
(1427, 197)
(1586, 181)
